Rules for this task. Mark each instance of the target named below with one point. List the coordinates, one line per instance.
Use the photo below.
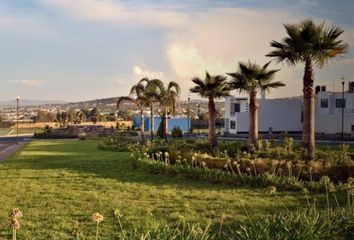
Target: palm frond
(308, 40)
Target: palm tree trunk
(165, 127)
(308, 132)
(253, 121)
(142, 126)
(213, 142)
(152, 122)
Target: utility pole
(343, 105)
(17, 111)
(188, 115)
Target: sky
(77, 50)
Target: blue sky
(85, 49)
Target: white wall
(333, 123)
(285, 115)
(280, 114)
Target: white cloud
(115, 11)
(28, 83)
(218, 40)
(141, 73)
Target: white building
(285, 114)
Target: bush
(82, 136)
(159, 132)
(48, 133)
(118, 143)
(176, 132)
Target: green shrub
(176, 132)
(48, 133)
(159, 132)
(82, 136)
(118, 142)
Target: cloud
(28, 83)
(116, 11)
(218, 40)
(90, 9)
(141, 73)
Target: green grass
(59, 184)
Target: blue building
(182, 123)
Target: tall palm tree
(212, 87)
(309, 43)
(138, 97)
(249, 79)
(152, 93)
(169, 99)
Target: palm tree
(138, 97)
(212, 87)
(169, 99)
(249, 79)
(309, 43)
(152, 91)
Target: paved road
(8, 145)
(13, 139)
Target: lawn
(59, 184)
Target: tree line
(73, 116)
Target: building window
(340, 103)
(237, 107)
(324, 103)
(232, 125)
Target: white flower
(97, 218)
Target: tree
(137, 96)
(250, 78)
(152, 91)
(310, 44)
(62, 119)
(168, 102)
(212, 87)
(71, 115)
(94, 115)
(79, 117)
(111, 117)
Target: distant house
(181, 122)
(285, 114)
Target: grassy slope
(59, 183)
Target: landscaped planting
(237, 163)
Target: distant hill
(97, 102)
(29, 102)
(111, 101)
